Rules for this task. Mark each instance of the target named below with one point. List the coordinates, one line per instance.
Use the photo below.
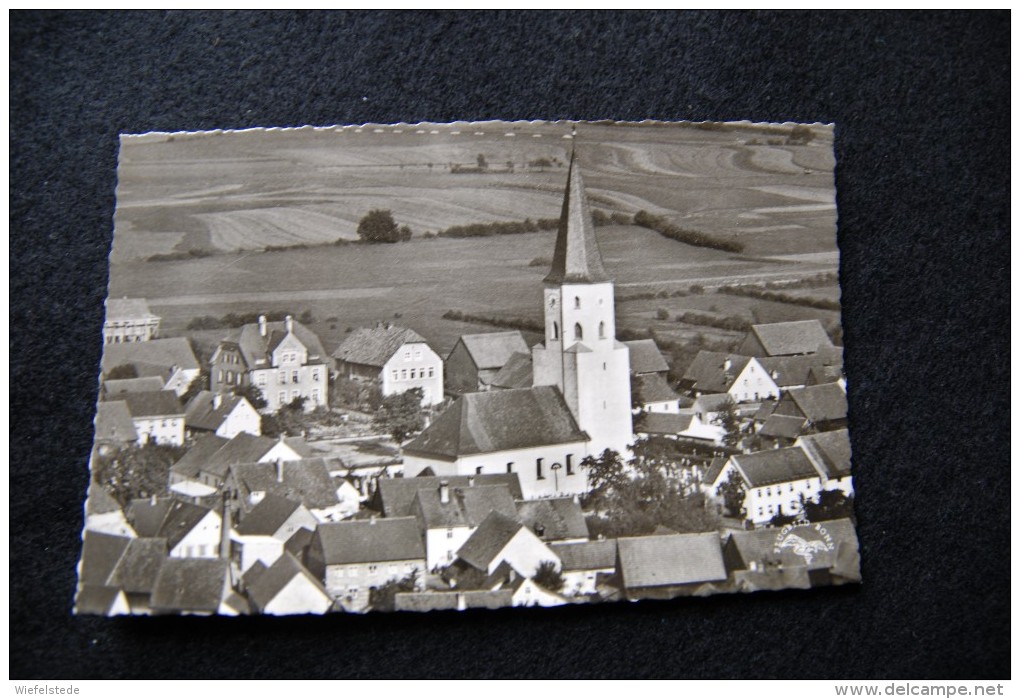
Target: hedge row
(779, 297)
(684, 235)
(512, 323)
(479, 230)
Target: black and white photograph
(469, 365)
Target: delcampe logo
(805, 540)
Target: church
(579, 403)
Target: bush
(378, 226)
(481, 230)
(662, 314)
(684, 235)
(540, 262)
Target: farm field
(414, 283)
(246, 190)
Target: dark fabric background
(922, 140)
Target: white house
(262, 533)
(191, 531)
(157, 416)
(129, 320)
(284, 360)
(223, 415)
(774, 482)
(448, 516)
(502, 539)
(398, 359)
(204, 469)
(583, 562)
(287, 587)
(743, 378)
(830, 454)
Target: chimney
(727, 365)
(539, 529)
(217, 401)
(152, 500)
(444, 492)
(290, 324)
(279, 470)
(262, 326)
(774, 374)
(471, 481)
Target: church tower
(581, 355)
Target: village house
(503, 540)
(395, 497)
(774, 481)
(397, 359)
(822, 406)
(460, 600)
(516, 373)
(223, 415)
(353, 557)
(114, 427)
(579, 403)
(476, 359)
(785, 339)
(830, 454)
(202, 471)
(554, 519)
(823, 366)
(193, 586)
(528, 432)
(743, 379)
(104, 514)
(129, 320)
(157, 417)
(449, 516)
(655, 395)
(286, 587)
(136, 571)
(525, 592)
(305, 481)
(101, 600)
(191, 531)
(112, 388)
(583, 563)
(686, 426)
(670, 565)
(781, 430)
(800, 555)
(646, 358)
(284, 360)
(171, 360)
(262, 533)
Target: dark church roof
(576, 258)
(482, 423)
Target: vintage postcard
(423, 367)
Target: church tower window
(556, 330)
(602, 330)
(578, 334)
(577, 302)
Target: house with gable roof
(224, 415)
(525, 592)
(136, 571)
(104, 514)
(306, 481)
(129, 320)
(823, 407)
(397, 359)
(203, 469)
(774, 481)
(830, 454)
(669, 565)
(583, 563)
(743, 378)
(395, 497)
(516, 373)
(287, 587)
(353, 557)
(785, 339)
(503, 540)
(191, 531)
(114, 427)
(157, 416)
(284, 360)
(448, 516)
(171, 360)
(198, 586)
(262, 533)
(554, 519)
(476, 359)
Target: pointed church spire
(576, 258)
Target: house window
(260, 379)
(478, 470)
(449, 533)
(315, 395)
(602, 330)
(221, 376)
(295, 394)
(403, 374)
(315, 375)
(432, 371)
(372, 568)
(768, 492)
(283, 397)
(578, 333)
(417, 355)
(282, 377)
(414, 373)
(570, 464)
(510, 467)
(230, 377)
(396, 374)
(538, 470)
(295, 377)
(407, 356)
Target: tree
(549, 577)
(383, 598)
(830, 504)
(137, 471)
(123, 371)
(197, 385)
(730, 422)
(606, 474)
(378, 226)
(733, 493)
(482, 162)
(401, 414)
(252, 394)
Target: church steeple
(576, 259)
